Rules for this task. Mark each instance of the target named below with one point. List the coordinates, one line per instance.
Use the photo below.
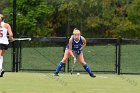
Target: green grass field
(24, 82)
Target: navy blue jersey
(76, 45)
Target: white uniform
(3, 34)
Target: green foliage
(95, 18)
(32, 16)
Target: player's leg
(62, 62)
(85, 65)
(1, 62)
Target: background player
(4, 28)
(75, 46)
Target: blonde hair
(2, 17)
(76, 31)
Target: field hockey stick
(72, 69)
(22, 39)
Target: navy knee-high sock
(60, 65)
(87, 68)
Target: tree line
(95, 18)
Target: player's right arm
(70, 49)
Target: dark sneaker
(2, 73)
(56, 74)
(92, 75)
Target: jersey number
(1, 33)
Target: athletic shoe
(2, 73)
(55, 74)
(92, 75)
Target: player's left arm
(84, 43)
(10, 32)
